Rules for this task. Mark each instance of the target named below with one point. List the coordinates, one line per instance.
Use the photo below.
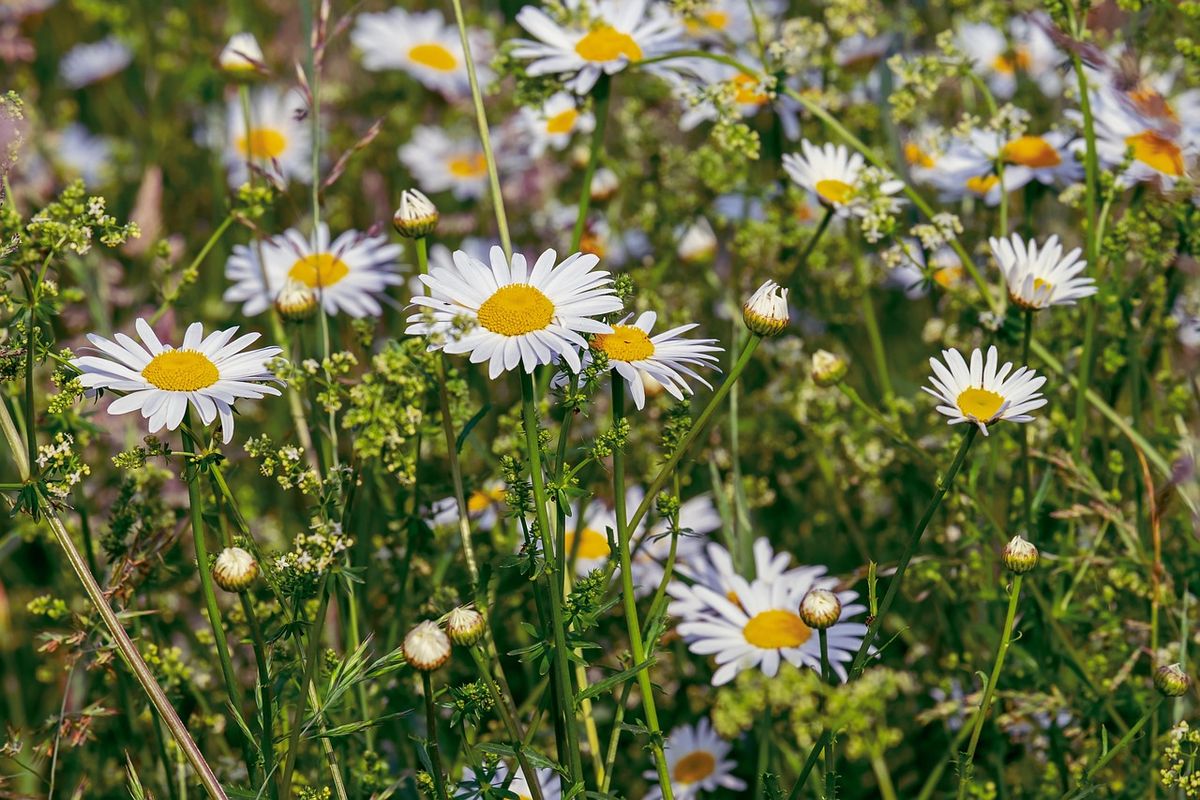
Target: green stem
(511, 724)
(601, 93)
(30, 347)
(310, 654)
(830, 755)
(874, 336)
(264, 693)
(1092, 169)
(809, 246)
(1026, 466)
(435, 755)
(629, 600)
(169, 300)
(967, 765)
(1112, 752)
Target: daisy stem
(873, 334)
(830, 756)
(511, 724)
(1026, 466)
(565, 694)
(809, 246)
(966, 766)
(1112, 751)
(629, 600)
(485, 138)
(431, 722)
(264, 692)
(125, 646)
(601, 94)
(30, 348)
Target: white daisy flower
(586, 544)
(605, 37)
(763, 628)
(668, 357)
(1041, 277)
(520, 316)
(1031, 53)
(553, 125)
(1047, 158)
(209, 373)
(423, 45)
(698, 761)
(347, 274)
(915, 271)
(730, 20)
(712, 567)
(242, 55)
(922, 149)
(968, 166)
(832, 172)
(548, 781)
(484, 507)
(981, 393)
(84, 154)
(86, 64)
(278, 141)
(697, 518)
(749, 93)
(1160, 150)
(440, 163)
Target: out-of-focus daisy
(440, 163)
(747, 92)
(85, 64)
(968, 166)
(916, 271)
(697, 517)
(160, 381)
(278, 142)
(697, 242)
(483, 507)
(860, 53)
(1047, 158)
(832, 173)
(84, 154)
(241, 56)
(713, 568)
(521, 316)
(1041, 277)
(698, 761)
(922, 149)
(668, 357)
(763, 628)
(586, 540)
(730, 20)
(548, 782)
(604, 37)
(347, 274)
(1030, 53)
(982, 393)
(1160, 151)
(553, 125)
(423, 45)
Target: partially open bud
(296, 301)
(604, 184)
(1171, 680)
(766, 312)
(820, 609)
(235, 570)
(426, 646)
(1020, 556)
(465, 626)
(242, 58)
(417, 216)
(828, 369)
(698, 244)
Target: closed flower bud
(235, 570)
(820, 609)
(416, 217)
(242, 58)
(766, 312)
(465, 626)
(1171, 680)
(426, 646)
(1020, 556)
(296, 302)
(604, 184)
(828, 369)
(698, 244)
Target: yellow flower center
(1040, 285)
(319, 270)
(434, 56)
(516, 309)
(1007, 63)
(917, 157)
(606, 43)
(694, 767)
(181, 371)
(947, 277)
(482, 499)
(262, 143)
(979, 404)
(468, 166)
(834, 191)
(1157, 152)
(982, 184)
(592, 544)
(776, 628)
(625, 343)
(562, 122)
(1031, 151)
(1150, 102)
(747, 91)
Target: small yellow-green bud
(1020, 556)
(766, 312)
(242, 58)
(296, 302)
(426, 646)
(820, 609)
(417, 216)
(235, 570)
(465, 626)
(1171, 680)
(828, 369)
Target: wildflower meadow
(599, 399)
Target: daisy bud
(417, 215)
(698, 244)
(465, 626)
(426, 646)
(242, 58)
(1020, 556)
(766, 312)
(296, 302)
(1171, 681)
(828, 369)
(820, 609)
(235, 570)
(604, 185)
